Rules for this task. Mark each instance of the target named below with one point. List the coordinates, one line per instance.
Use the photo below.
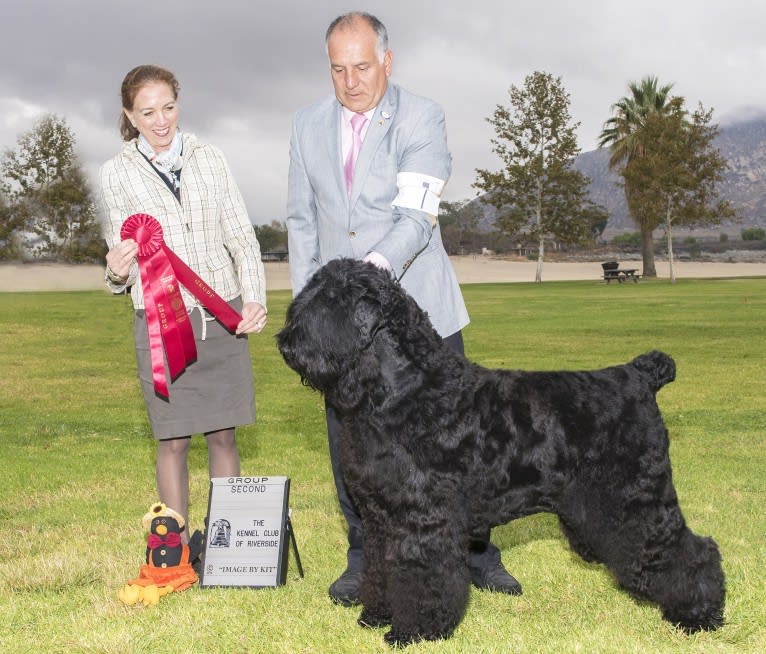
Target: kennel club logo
(220, 533)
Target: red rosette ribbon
(166, 317)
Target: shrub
(627, 238)
(753, 234)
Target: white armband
(418, 191)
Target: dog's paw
(370, 620)
(397, 639)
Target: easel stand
(294, 543)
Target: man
(367, 167)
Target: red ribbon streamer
(166, 317)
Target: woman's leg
(173, 475)
(222, 454)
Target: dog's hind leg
(682, 573)
(651, 552)
(585, 514)
(578, 540)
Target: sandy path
(469, 270)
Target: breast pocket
(380, 182)
(385, 165)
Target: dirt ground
(469, 270)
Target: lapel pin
(385, 114)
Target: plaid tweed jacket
(208, 229)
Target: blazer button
(352, 234)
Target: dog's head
(346, 331)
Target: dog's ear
(367, 318)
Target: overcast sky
(245, 66)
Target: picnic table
(613, 271)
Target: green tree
(622, 133)
(599, 225)
(48, 194)
(272, 238)
(459, 224)
(10, 225)
(675, 180)
(539, 195)
(753, 234)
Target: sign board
(247, 535)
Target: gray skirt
(215, 392)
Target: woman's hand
(253, 319)
(120, 258)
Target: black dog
(436, 448)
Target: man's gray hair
(347, 20)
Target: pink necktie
(357, 124)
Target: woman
(186, 185)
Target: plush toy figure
(167, 566)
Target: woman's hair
(137, 78)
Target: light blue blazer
(406, 134)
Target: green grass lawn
(77, 475)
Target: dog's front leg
(373, 595)
(428, 579)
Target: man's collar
(347, 114)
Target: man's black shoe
(345, 589)
(495, 579)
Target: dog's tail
(658, 366)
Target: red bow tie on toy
(171, 540)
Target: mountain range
(743, 145)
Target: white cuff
(378, 260)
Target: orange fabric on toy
(180, 576)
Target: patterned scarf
(168, 162)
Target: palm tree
(622, 133)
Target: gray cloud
(246, 66)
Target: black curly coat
(436, 447)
